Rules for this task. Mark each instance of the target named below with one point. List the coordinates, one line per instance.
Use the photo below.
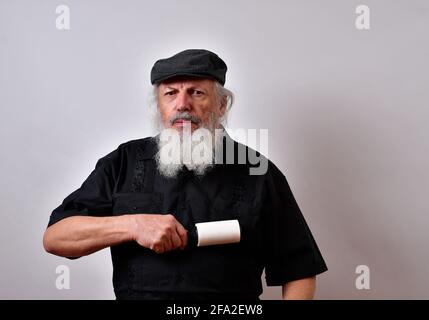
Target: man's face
(195, 98)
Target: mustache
(184, 116)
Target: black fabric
(192, 62)
(275, 235)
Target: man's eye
(169, 93)
(198, 92)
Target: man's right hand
(158, 232)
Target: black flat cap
(193, 62)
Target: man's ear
(222, 107)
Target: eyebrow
(196, 87)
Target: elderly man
(145, 208)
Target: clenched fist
(158, 232)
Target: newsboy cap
(192, 62)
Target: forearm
(80, 235)
(302, 289)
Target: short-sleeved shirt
(274, 233)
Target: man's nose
(183, 103)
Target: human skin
(198, 97)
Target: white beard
(194, 150)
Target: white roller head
(218, 232)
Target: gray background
(346, 112)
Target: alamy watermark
(362, 282)
(63, 279)
(204, 146)
(62, 22)
(362, 20)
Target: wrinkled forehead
(182, 82)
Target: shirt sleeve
(291, 251)
(94, 197)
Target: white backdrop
(346, 111)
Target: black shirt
(274, 234)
